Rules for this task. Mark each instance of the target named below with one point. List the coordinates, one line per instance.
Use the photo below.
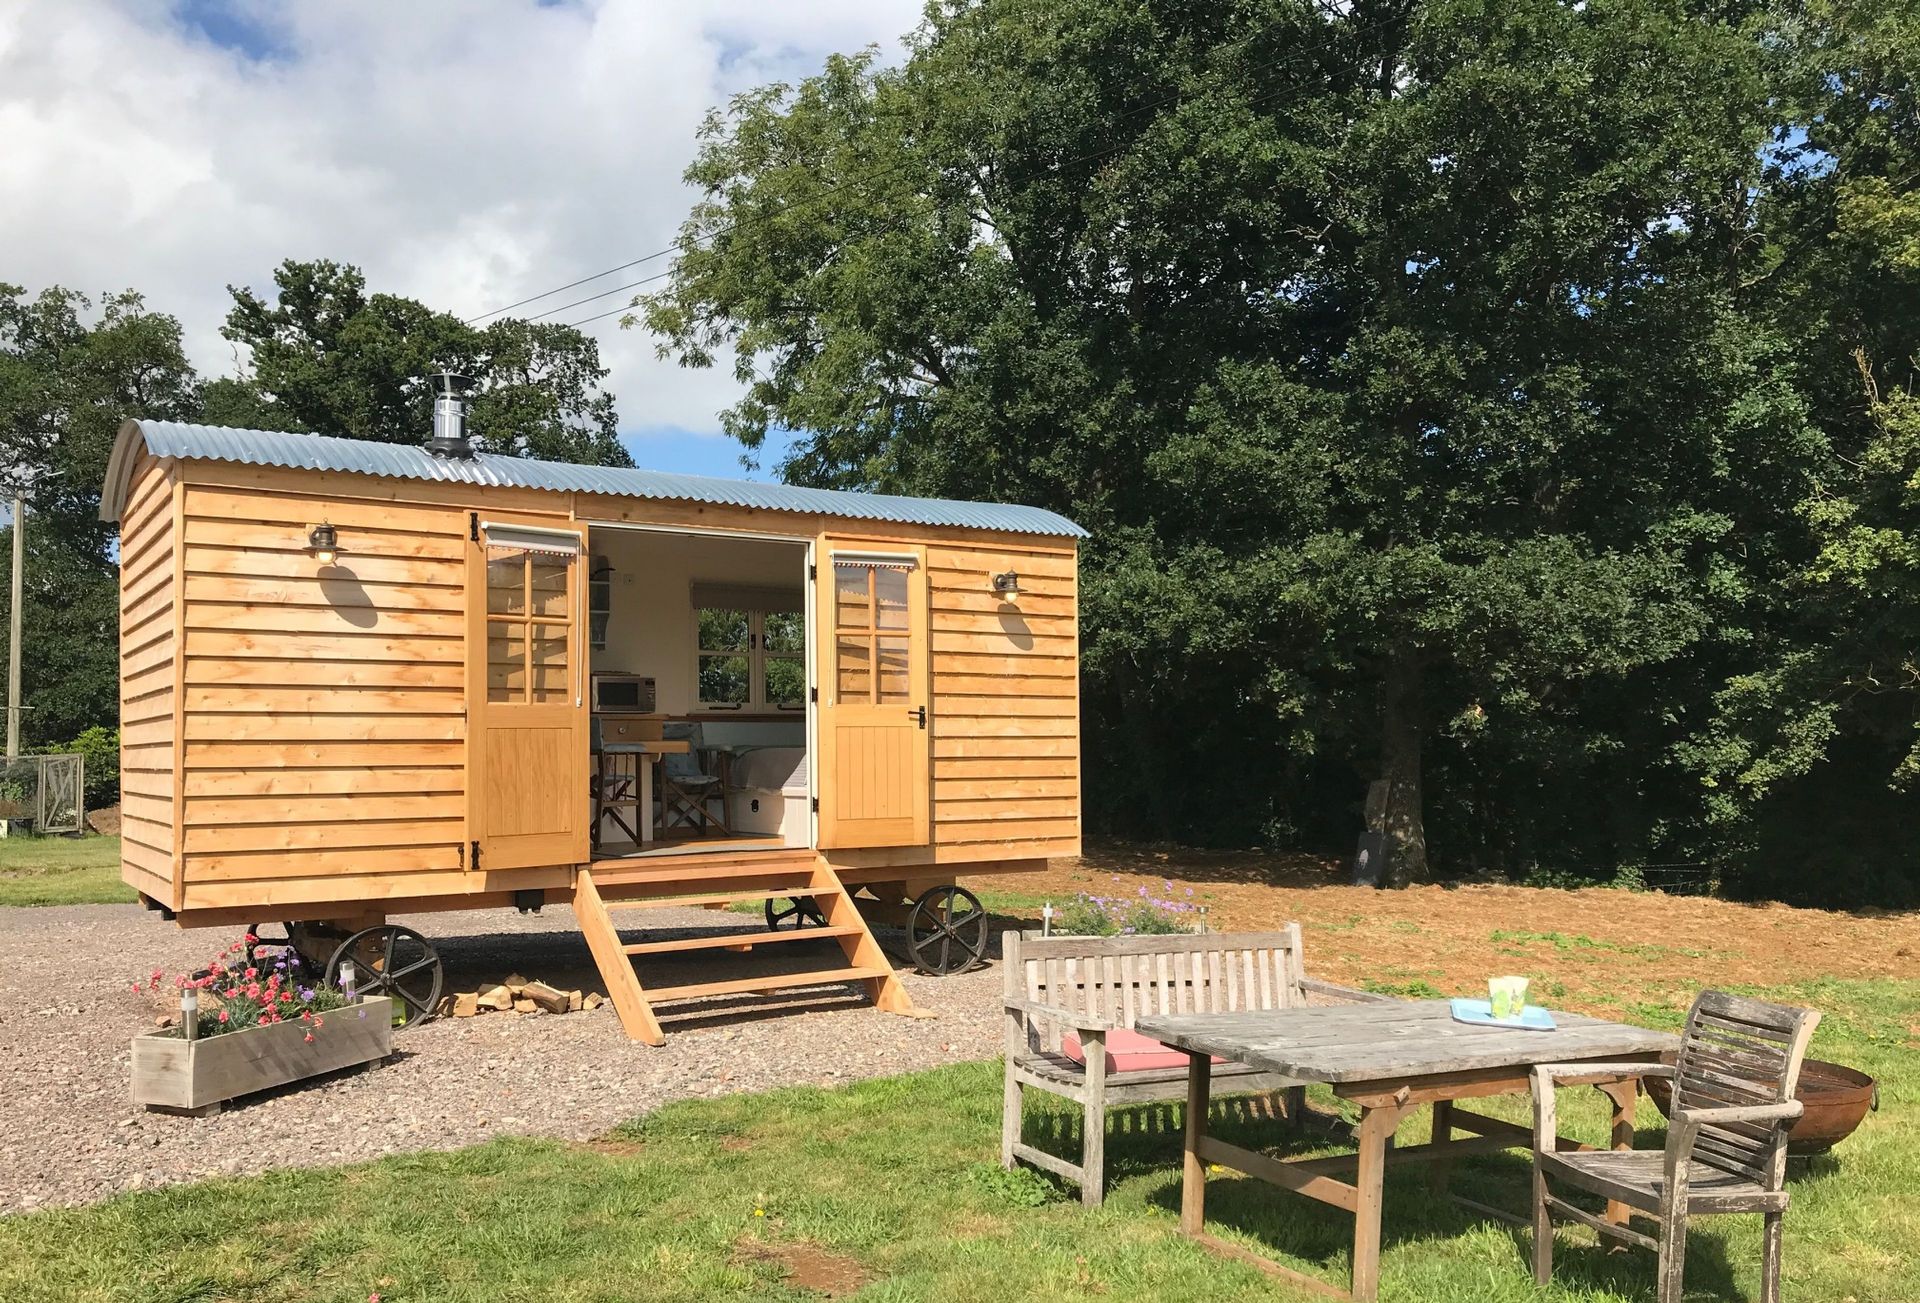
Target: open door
(527, 743)
(875, 676)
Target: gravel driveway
(66, 1015)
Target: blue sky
(466, 154)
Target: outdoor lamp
(323, 542)
(1007, 584)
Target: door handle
(920, 715)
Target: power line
(883, 173)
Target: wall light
(1007, 584)
(323, 544)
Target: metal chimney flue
(450, 416)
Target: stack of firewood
(517, 994)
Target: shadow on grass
(1145, 1142)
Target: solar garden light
(349, 978)
(323, 543)
(1046, 919)
(190, 1013)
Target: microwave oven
(623, 694)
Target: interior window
(751, 659)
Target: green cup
(1508, 996)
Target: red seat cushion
(1129, 1051)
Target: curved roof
(318, 452)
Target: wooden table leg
(1376, 1129)
(1442, 1134)
(1624, 1095)
(1193, 1186)
(646, 800)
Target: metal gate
(48, 790)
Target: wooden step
(726, 939)
(726, 897)
(771, 982)
(726, 869)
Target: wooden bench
(1082, 988)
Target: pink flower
(374, 1297)
(136, 988)
(249, 939)
(319, 1022)
(223, 1018)
(310, 1041)
(252, 972)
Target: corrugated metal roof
(317, 452)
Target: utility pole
(13, 633)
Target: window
(750, 656)
(870, 634)
(528, 624)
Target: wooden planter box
(174, 1075)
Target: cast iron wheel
(392, 961)
(947, 931)
(263, 949)
(794, 912)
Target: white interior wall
(650, 630)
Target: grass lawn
(888, 1190)
(62, 871)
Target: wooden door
(527, 726)
(875, 677)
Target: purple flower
(306, 993)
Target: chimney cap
(451, 384)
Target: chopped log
(495, 996)
(466, 1004)
(593, 1001)
(574, 1001)
(443, 1007)
(524, 1005)
(514, 983)
(553, 1001)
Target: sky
(468, 154)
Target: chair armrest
(1078, 1021)
(1695, 1118)
(1314, 986)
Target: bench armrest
(1073, 1018)
(1314, 986)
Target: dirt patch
(1590, 948)
(614, 1148)
(808, 1266)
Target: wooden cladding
(324, 726)
(1006, 703)
(149, 686)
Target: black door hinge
(475, 863)
(813, 571)
(816, 805)
(473, 526)
(813, 695)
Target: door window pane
(550, 681)
(890, 594)
(507, 583)
(853, 606)
(549, 581)
(853, 670)
(894, 680)
(506, 662)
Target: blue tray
(1480, 1013)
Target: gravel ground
(66, 1015)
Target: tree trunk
(1400, 735)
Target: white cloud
(466, 154)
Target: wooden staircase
(606, 891)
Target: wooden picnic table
(1389, 1059)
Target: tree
(67, 380)
(326, 356)
(1391, 354)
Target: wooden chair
(1726, 1151)
(1065, 996)
(685, 786)
(616, 785)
